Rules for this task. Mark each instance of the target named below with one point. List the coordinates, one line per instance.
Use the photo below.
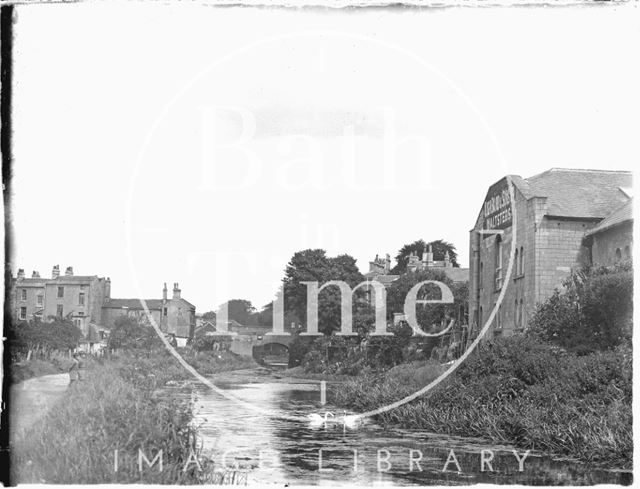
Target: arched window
(517, 264)
(480, 324)
(522, 260)
(522, 319)
(618, 254)
(481, 274)
(516, 312)
(627, 252)
(498, 262)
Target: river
(285, 447)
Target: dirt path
(31, 399)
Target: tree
(209, 316)
(129, 333)
(430, 316)
(57, 335)
(241, 310)
(593, 311)
(439, 248)
(315, 266)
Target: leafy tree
(57, 335)
(592, 312)
(128, 333)
(316, 266)
(242, 310)
(209, 316)
(439, 248)
(429, 316)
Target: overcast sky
(206, 145)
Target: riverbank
(117, 408)
(519, 392)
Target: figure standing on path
(73, 370)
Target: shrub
(593, 312)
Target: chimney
(164, 292)
(35, 274)
(430, 256)
(56, 271)
(107, 288)
(20, 273)
(68, 272)
(447, 259)
(176, 291)
(387, 263)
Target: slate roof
(71, 279)
(30, 282)
(577, 193)
(132, 303)
(622, 214)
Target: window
(77, 323)
(480, 318)
(81, 298)
(498, 263)
(521, 260)
(59, 311)
(498, 314)
(481, 274)
(522, 320)
(23, 294)
(164, 311)
(627, 252)
(60, 292)
(40, 299)
(517, 264)
(618, 254)
(517, 313)
(23, 313)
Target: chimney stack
(387, 263)
(69, 271)
(429, 256)
(20, 273)
(56, 271)
(35, 274)
(164, 292)
(176, 291)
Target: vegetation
(593, 312)
(516, 390)
(117, 407)
(439, 247)
(59, 335)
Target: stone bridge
(258, 346)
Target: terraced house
(564, 219)
(86, 301)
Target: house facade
(557, 221)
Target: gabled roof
(622, 214)
(72, 279)
(155, 304)
(578, 193)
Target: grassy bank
(116, 409)
(27, 369)
(520, 392)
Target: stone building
(175, 316)
(75, 297)
(564, 219)
(456, 274)
(86, 301)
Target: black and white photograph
(343, 243)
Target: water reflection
(281, 451)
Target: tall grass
(519, 392)
(116, 408)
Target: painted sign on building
(497, 207)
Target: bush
(517, 390)
(56, 335)
(129, 333)
(592, 313)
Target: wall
(558, 250)
(605, 243)
(30, 303)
